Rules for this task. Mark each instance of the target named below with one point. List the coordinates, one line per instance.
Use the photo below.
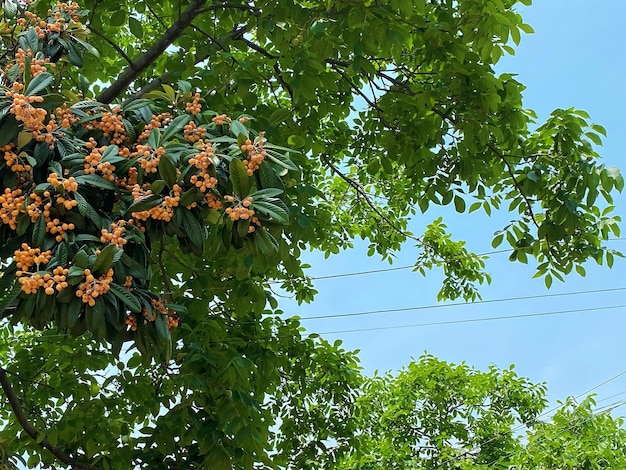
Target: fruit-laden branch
(31, 431)
(153, 53)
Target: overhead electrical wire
(384, 270)
(470, 320)
(457, 304)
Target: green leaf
(296, 141)
(192, 226)
(175, 126)
(105, 259)
(266, 193)
(8, 130)
(167, 170)
(85, 209)
(39, 231)
(459, 204)
(160, 323)
(238, 129)
(239, 178)
(497, 240)
(88, 47)
(280, 115)
(136, 29)
(126, 297)
(74, 54)
(10, 9)
(109, 154)
(273, 211)
(136, 104)
(118, 18)
(144, 204)
(265, 241)
(97, 181)
(39, 83)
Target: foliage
(577, 437)
(134, 211)
(436, 415)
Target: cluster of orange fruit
(116, 235)
(55, 23)
(256, 154)
(111, 124)
(93, 287)
(28, 257)
(157, 309)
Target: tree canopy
(436, 415)
(165, 164)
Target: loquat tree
(165, 162)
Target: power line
(384, 270)
(472, 320)
(456, 304)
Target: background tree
(395, 102)
(436, 415)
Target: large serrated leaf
(270, 209)
(105, 259)
(265, 241)
(175, 126)
(97, 181)
(110, 153)
(95, 318)
(92, 50)
(284, 161)
(238, 129)
(266, 193)
(39, 231)
(144, 204)
(154, 139)
(192, 226)
(86, 210)
(8, 299)
(39, 83)
(190, 196)
(239, 178)
(160, 324)
(167, 170)
(126, 296)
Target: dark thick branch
(153, 84)
(148, 57)
(361, 192)
(31, 431)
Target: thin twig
(361, 192)
(111, 43)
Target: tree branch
(153, 84)
(31, 431)
(361, 192)
(234, 6)
(148, 57)
(111, 43)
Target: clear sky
(574, 59)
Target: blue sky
(574, 59)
